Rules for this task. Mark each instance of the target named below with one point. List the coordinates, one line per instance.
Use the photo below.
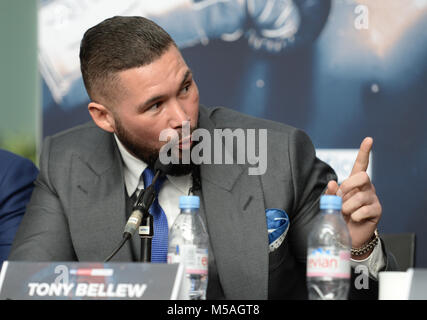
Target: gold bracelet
(367, 247)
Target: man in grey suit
(140, 85)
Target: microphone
(140, 209)
(163, 168)
(144, 202)
(145, 198)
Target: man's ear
(102, 116)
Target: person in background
(17, 176)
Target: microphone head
(163, 168)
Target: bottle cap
(330, 202)
(189, 202)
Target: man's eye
(154, 107)
(185, 89)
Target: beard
(148, 154)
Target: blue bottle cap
(189, 202)
(330, 202)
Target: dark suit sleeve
(16, 184)
(43, 234)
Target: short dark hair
(117, 44)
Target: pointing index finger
(362, 159)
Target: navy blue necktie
(159, 246)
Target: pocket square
(278, 226)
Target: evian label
(195, 259)
(326, 262)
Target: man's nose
(177, 115)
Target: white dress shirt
(174, 187)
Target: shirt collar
(182, 183)
(133, 168)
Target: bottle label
(325, 262)
(195, 259)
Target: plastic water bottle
(188, 243)
(328, 254)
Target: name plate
(89, 281)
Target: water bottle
(188, 243)
(328, 254)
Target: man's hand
(361, 208)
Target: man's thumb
(332, 188)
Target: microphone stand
(146, 228)
(146, 233)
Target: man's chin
(181, 169)
(178, 167)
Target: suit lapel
(98, 203)
(234, 210)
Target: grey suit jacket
(79, 207)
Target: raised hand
(361, 208)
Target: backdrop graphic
(341, 70)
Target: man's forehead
(159, 79)
(169, 64)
